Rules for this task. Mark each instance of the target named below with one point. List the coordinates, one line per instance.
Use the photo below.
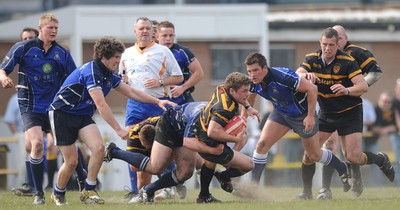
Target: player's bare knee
(71, 163)
(313, 157)
(99, 149)
(306, 160)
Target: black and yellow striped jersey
(133, 142)
(221, 108)
(364, 58)
(340, 71)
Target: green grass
(268, 198)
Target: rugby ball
(236, 125)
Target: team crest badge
(336, 69)
(57, 56)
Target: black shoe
(358, 187)
(346, 177)
(304, 196)
(324, 194)
(387, 167)
(207, 199)
(24, 190)
(38, 198)
(108, 151)
(225, 182)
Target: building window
(282, 55)
(228, 58)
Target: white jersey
(154, 61)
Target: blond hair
(47, 17)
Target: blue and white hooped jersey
(280, 87)
(40, 74)
(74, 98)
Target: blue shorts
(138, 111)
(35, 119)
(295, 123)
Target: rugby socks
(136, 159)
(165, 181)
(90, 185)
(307, 172)
(374, 159)
(355, 171)
(29, 177)
(51, 167)
(37, 167)
(329, 159)
(81, 168)
(327, 173)
(206, 175)
(231, 172)
(260, 160)
(59, 191)
(133, 179)
(169, 168)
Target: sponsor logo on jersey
(47, 68)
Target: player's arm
(106, 113)
(308, 75)
(197, 74)
(139, 95)
(312, 93)
(372, 77)
(217, 132)
(360, 86)
(248, 108)
(195, 145)
(6, 81)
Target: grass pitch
(261, 199)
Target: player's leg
(51, 156)
(185, 160)
(270, 134)
(326, 157)
(330, 144)
(308, 169)
(36, 160)
(70, 157)
(206, 175)
(90, 135)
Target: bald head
(342, 36)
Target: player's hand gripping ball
(236, 125)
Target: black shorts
(166, 134)
(223, 158)
(35, 119)
(66, 126)
(345, 123)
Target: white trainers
(138, 198)
(181, 190)
(166, 193)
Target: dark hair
(29, 29)
(257, 58)
(107, 47)
(330, 33)
(147, 134)
(235, 80)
